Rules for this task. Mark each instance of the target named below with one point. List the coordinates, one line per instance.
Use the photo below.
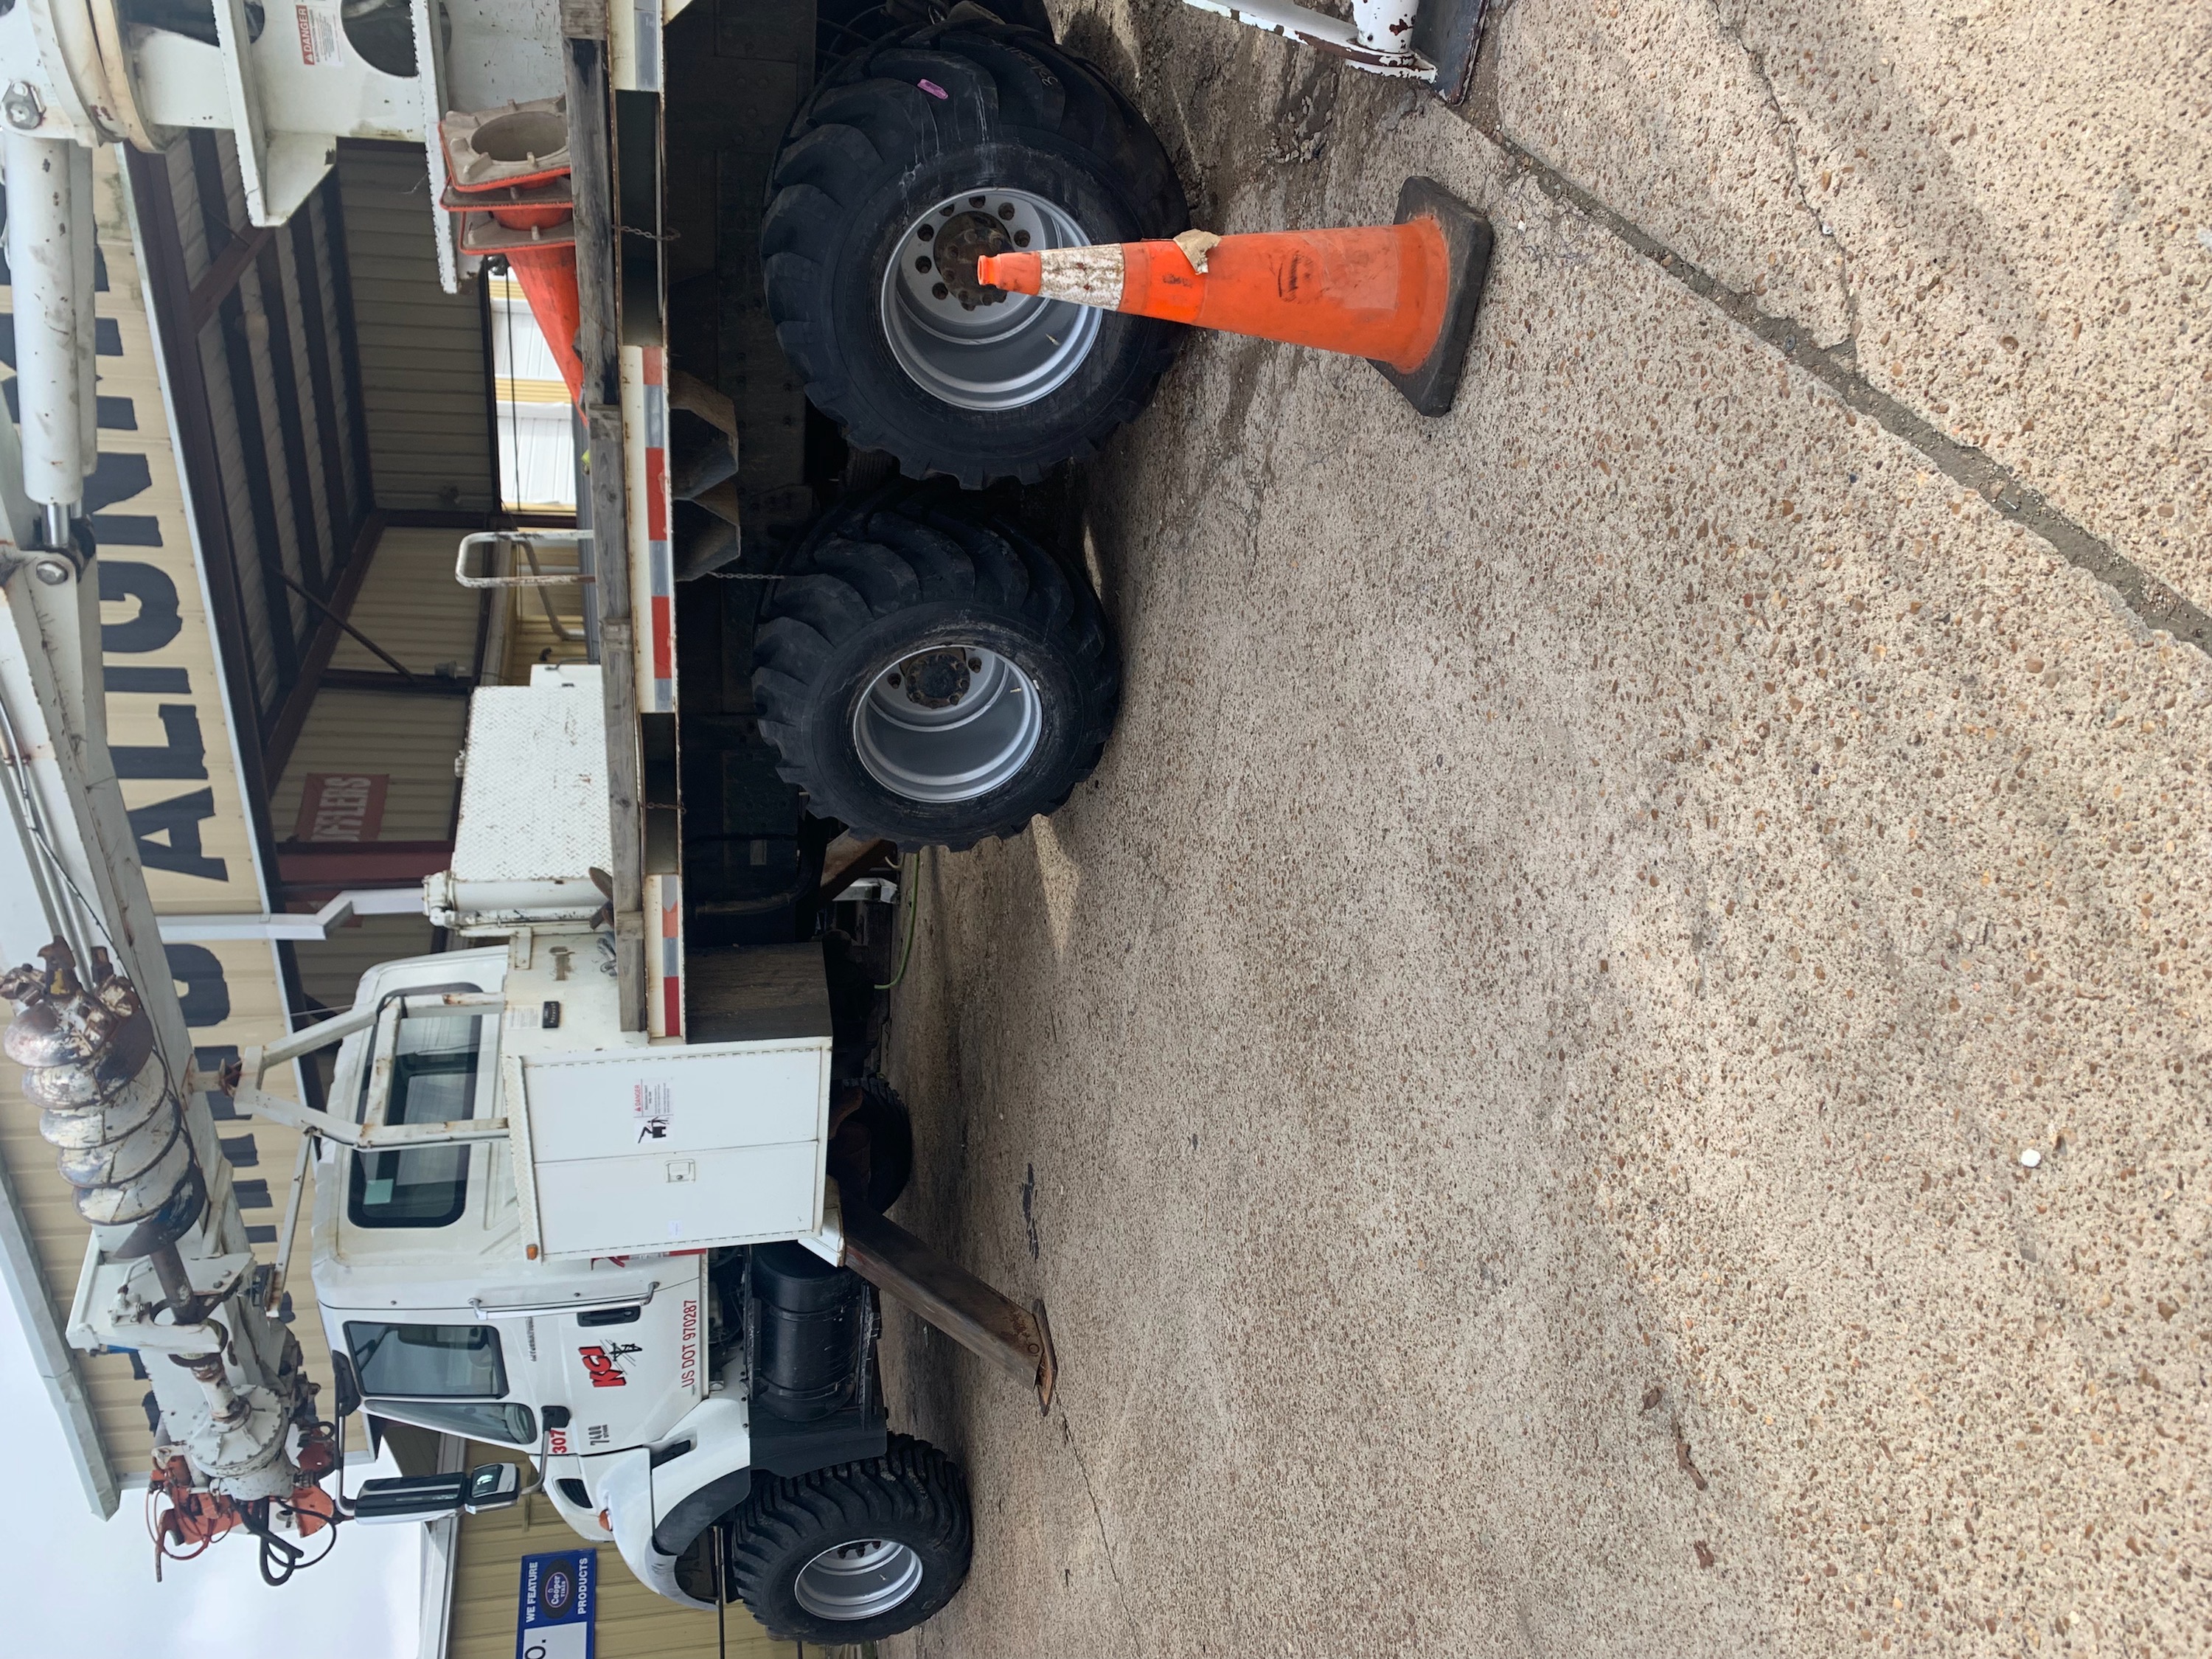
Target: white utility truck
(631, 1258)
(606, 1186)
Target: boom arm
(169, 1273)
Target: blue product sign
(560, 1596)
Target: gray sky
(76, 1586)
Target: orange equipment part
(194, 1519)
(510, 167)
(312, 1509)
(1378, 292)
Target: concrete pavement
(1515, 1079)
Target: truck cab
(627, 1257)
(429, 1295)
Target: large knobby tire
(931, 676)
(855, 1552)
(984, 132)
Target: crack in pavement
(1121, 1595)
(1734, 32)
(2153, 602)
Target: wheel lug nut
(938, 291)
(891, 679)
(925, 232)
(1005, 209)
(974, 201)
(923, 263)
(1021, 239)
(976, 665)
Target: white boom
(168, 1273)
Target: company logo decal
(604, 1364)
(556, 1591)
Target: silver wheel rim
(947, 724)
(859, 1580)
(1002, 355)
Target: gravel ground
(1612, 1062)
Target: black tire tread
(868, 117)
(904, 545)
(913, 1485)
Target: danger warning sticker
(322, 36)
(653, 1108)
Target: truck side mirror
(493, 1486)
(434, 1496)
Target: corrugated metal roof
(422, 350)
(410, 604)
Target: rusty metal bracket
(838, 876)
(992, 1328)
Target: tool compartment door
(660, 1149)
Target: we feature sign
(560, 1594)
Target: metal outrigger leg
(1430, 40)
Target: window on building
(537, 424)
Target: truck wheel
(855, 1552)
(913, 159)
(931, 676)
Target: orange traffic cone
(511, 184)
(1402, 295)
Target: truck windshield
(442, 1361)
(434, 1080)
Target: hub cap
(971, 345)
(859, 1580)
(947, 724)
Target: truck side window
(442, 1361)
(515, 1425)
(446, 1363)
(434, 1079)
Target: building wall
(633, 1623)
(272, 399)
(412, 606)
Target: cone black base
(1431, 387)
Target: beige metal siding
(535, 617)
(633, 1623)
(409, 604)
(411, 739)
(422, 350)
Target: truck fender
(660, 1499)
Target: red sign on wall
(342, 806)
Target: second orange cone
(1403, 295)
